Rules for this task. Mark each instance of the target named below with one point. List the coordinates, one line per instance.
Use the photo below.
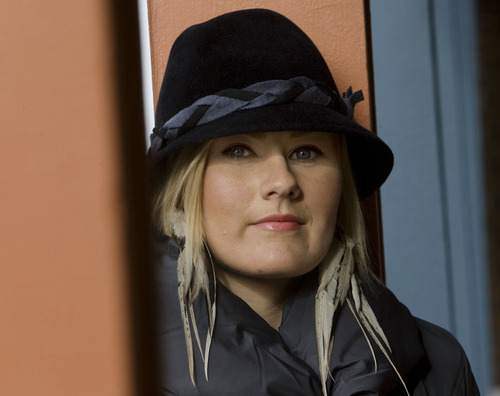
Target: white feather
(337, 279)
(364, 334)
(328, 299)
(371, 324)
(211, 313)
(192, 277)
(181, 290)
(178, 224)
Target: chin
(282, 270)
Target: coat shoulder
(450, 372)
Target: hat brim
(371, 159)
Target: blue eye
(305, 153)
(237, 151)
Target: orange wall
(337, 27)
(64, 323)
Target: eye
(238, 151)
(305, 153)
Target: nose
(278, 180)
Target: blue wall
(427, 110)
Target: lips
(279, 222)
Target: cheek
(224, 195)
(326, 195)
(225, 201)
(329, 207)
(326, 190)
(332, 202)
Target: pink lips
(279, 222)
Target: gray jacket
(249, 357)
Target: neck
(266, 297)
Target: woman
(264, 281)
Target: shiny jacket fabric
(249, 357)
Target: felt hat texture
(256, 71)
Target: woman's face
(270, 202)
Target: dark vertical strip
(372, 206)
(125, 22)
(441, 165)
(489, 46)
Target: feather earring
(325, 307)
(338, 280)
(192, 277)
(178, 224)
(182, 291)
(369, 322)
(211, 313)
(335, 273)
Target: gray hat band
(213, 107)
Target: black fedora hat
(256, 71)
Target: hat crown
(236, 50)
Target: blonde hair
(178, 212)
(350, 215)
